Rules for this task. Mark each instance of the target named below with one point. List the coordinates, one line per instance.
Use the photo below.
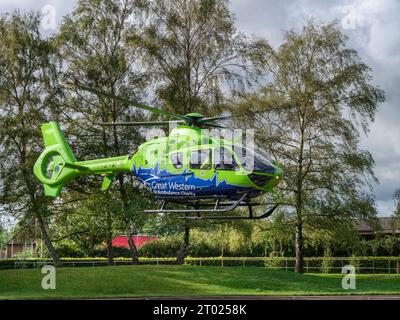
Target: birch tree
(309, 117)
(92, 42)
(28, 98)
(195, 56)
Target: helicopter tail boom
(57, 164)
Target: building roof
(386, 225)
(27, 233)
(139, 240)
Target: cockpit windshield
(253, 161)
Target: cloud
(59, 8)
(264, 18)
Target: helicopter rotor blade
(204, 120)
(130, 102)
(140, 123)
(213, 125)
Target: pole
(373, 267)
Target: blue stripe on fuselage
(165, 184)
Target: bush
(200, 246)
(164, 247)
(24, 254)
(327, 262)
(117, 252)
(69, 249)
(314, 264)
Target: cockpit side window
(200, 159)
(177, 160)
(224, 160)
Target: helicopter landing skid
(242, 201)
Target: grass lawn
(150, 280)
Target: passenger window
(200, 159)
(224, 160)
(177, 160)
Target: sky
(373, 30)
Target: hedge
(81, 262)
(312, 264)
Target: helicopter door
(224, 163)
(176, 162)
(224, 160)
(172, 183)
(201, 167)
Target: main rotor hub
(194, 115)
(193, 118)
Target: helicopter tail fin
(57, 163)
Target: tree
(396, 197)
(396, 220)
(309, 118)
(92, 42)
(273, 235)
(194, 53)
(28, 94)
(3, 240)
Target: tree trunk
(37, 206)
(47, 241)
(110, 253)
(92, 240)
(109, 233)
(299, 205)
(122, 191)
(299, 266)
(185, 246)
(132, 247)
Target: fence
(78, 262)
(389, 265)
(382, 265)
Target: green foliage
(69, 249)
(193, 50)
(165, 247)
(24, 254)
(30, 95)
(210, 243)
(93, 43)
(4, 237)
(327, 262)
(309, 118)
(396, 198)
